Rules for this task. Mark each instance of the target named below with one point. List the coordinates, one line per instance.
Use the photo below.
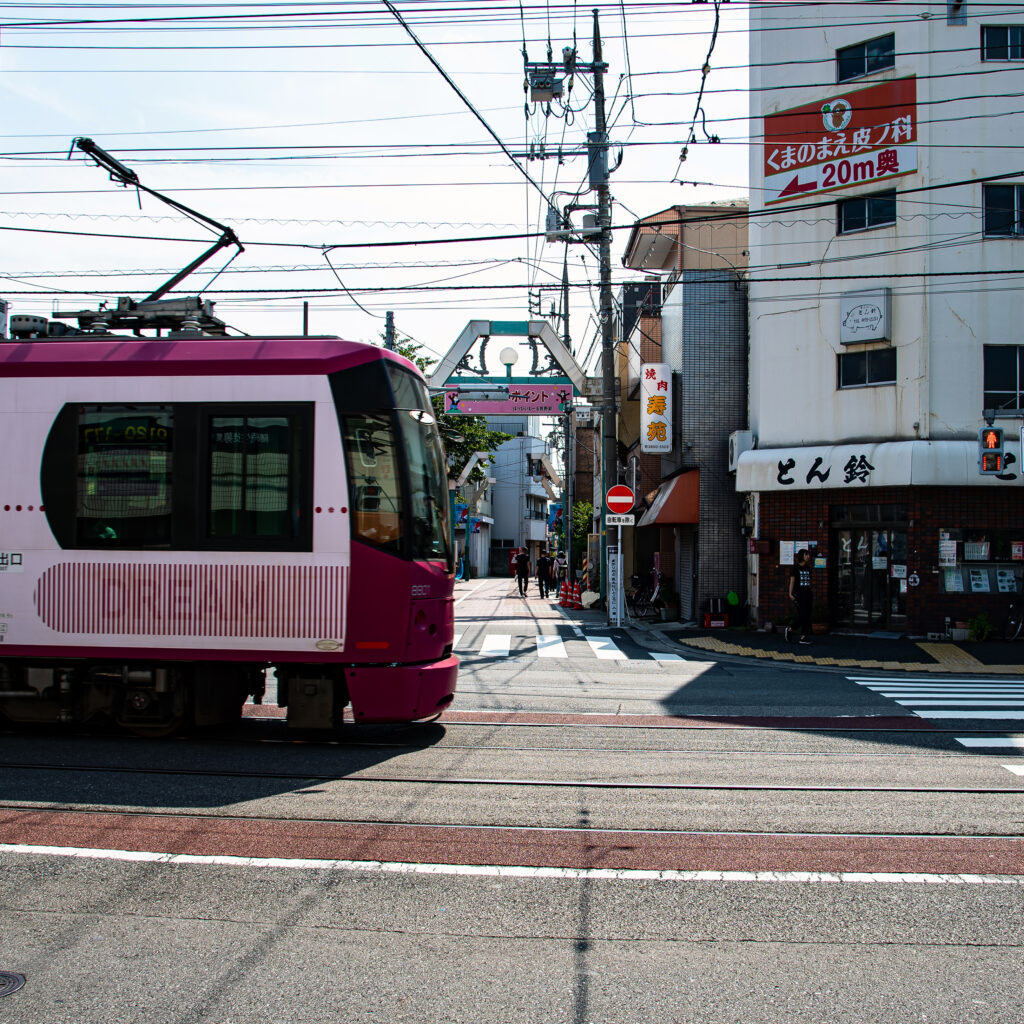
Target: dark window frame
(996, 397)
(990, 45)
(851, 65)
(872, 377)
(1002, 220)
(876, 207)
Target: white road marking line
(1010, 715)
(604, 648)
(550, 647)
(943, 691)
(661, 656)
(931, 680)
(993, 742)
(470, 594)
(455, 640)
(1017, 769)
(956, 702)
(496, 645)
(954, 694)
(517, 871)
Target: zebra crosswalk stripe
(548, 645)
(551, 647)
(604, 648)
(496, 645)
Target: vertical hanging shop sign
(655, 408)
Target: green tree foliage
(582, 523)
(462, 435)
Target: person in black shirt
(523, 571)
(800, 592)
(544, 564)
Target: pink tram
(181, 513)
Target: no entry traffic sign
(619, 498)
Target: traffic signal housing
(991, 456)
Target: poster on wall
(979, 581)
(786, 551)
(947, 552)
(1006, 581)
(952, 581)
(855, 139)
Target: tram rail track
(531, 783)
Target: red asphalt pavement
(884, 722)
(572, 848)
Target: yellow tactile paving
(948, 658)
(949, 654)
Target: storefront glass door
(867, 593)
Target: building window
(862, 59)
(867, 369)
(1003, 210)
(866, 212)
(1004, 377)
(1002, 42)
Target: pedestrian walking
(800, 592)
(544, 566)
(561, 566)
(523, 571)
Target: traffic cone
(577, 601)
(563, 594)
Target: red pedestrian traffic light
(991, 456)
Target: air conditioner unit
(740, 441)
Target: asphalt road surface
(605, 827)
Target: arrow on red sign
(795, 187)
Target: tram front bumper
(401, 693)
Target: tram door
(866, 592)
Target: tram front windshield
(428, 477)
(397, 475)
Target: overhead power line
(444, 74)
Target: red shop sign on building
(854, 139)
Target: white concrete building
(884, 309)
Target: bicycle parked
(1014, 619)
(641, 600)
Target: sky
(344, 160)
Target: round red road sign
(619, 499)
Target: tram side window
(374, 480)
(124, 473)
(254, 467)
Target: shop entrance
(867, 591)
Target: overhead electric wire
(444, 74)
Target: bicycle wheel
(1014, 621)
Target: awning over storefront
(872, 464)
(677, 501)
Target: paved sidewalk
(887, 652)
(883, 651)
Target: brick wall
(807, 515)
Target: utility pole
(389, 330)
(598, 149)
(570, 432)
(545, 85)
